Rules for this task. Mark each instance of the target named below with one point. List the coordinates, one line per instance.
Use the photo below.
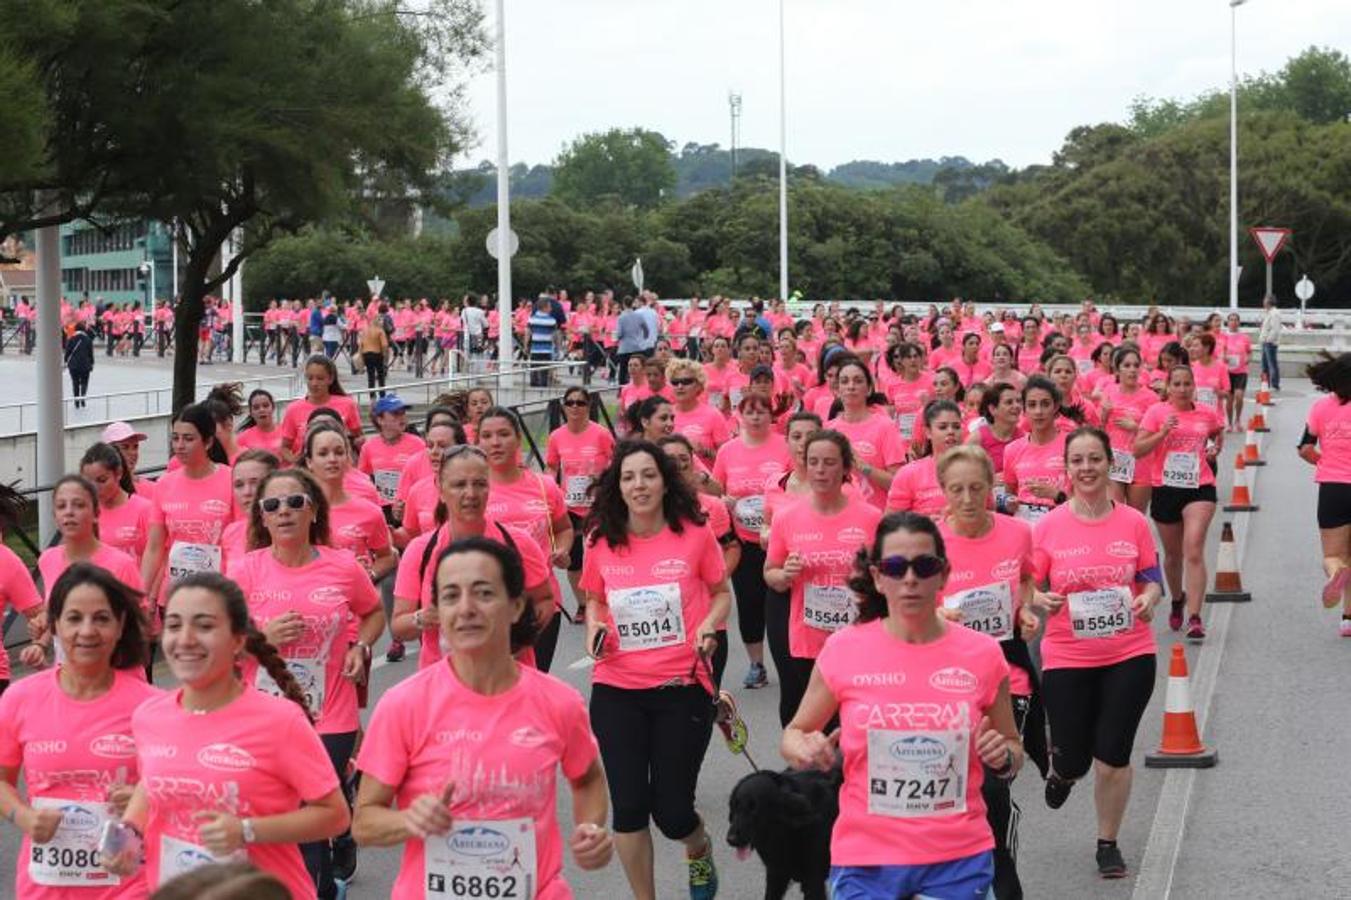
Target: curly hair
(319, 529)
(1332, 374)
(871, 604)
(609, 516)
(255, 643)
(130, 652)
(687, 368)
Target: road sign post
(1304, 291)
(376, 286)
(1270, 241)
(637, 274)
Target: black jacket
(80, 352)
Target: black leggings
(748, 581)
(794, 672)
(318, 855)
(1094, 713)
(375, 370)
(79, 385)
(547, 642)
(1002, 812)
(652, 742)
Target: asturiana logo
(671, 568)
(225, 757)
(953, 680)
(113, 746)
(215, 507)
(918, 748)
(1006, 568)
(79, 819)
(478, 841)
(851, 536)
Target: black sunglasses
(682, 382)
(576, 402)
(293, 501)
(925, 566)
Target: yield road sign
(1270, 240)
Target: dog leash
(735, 734)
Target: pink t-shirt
(419, 506)
(234, 542)
(324, 592)
(16, 591)
(877, 442)
(820, 601)
(54, 561)
(359, 485)
(503, 752)
(145, 488)
(359, 526)
(257, 439)
(257, 756)
(531, 503)
(986, 571)
(72, 751)
(1237, 349)
(1093, 558)
(1026, 464)
(192, 511)
(719, 519)
(1133, 407)
(1179, 460)
(908, 399)
(715, 383)
(126, 527)
(418, 467)
(908, 717)
(916, 488)
(705, 427)
(579, 459)
(742, 471)
(413, 582)
(1330, 421)
(383, 462)
(657, 589)
(1211, 381)
(298, 413)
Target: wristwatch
(246, 826)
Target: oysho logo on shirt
(45, 747)
(160, 751)
(878, 679)
(615, 571)
(953, 680)
(459, 735)
(113, 746)
(1071, 552)
(225, 757)
(671, 568)
(1122, 550)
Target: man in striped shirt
(542, 326)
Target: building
(119, 263)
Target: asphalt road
(1267, 822)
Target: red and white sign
(1270, 240)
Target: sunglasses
(925, 566)
(292, 501)
(682, 382)
(576, 402)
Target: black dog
(786, 817)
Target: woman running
(321, 390)
(910, 390)
(260, 430)
(68, 732)
(924, 710)
(916, 486)
(1034, 465)
(656, 594)
(1237, 353)
(444, 805)
(248, 472)
(355, 524)
(877, 446)
(1327, 446)
(1002, 410)
(1097, 559)
(124, 516)
(1123, 404)
(383, 456)
(696, 419)
(575, 455)
(228, 773)
(420, 502)
(1184, 438)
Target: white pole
(237, 301)
(50, 407)
(504, 334)
(783, 164)
(1233, 152)
(173, 234)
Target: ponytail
(257, 646)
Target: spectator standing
(631, 333)
(475, 322)
(1270, 336)
(80, 362)
(543, 327)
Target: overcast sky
(871, 79)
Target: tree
(632, 165)
(23, 115)
(234, 117)
(1318, 85)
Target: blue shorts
(968, 878)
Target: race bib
(386, 484)
(917, 774)
(906, 423)
(735, 397)
(70, 858)
(1206, 396)
(308, 673)
(715, 399)
(1181, 469)
(750, 512)
(987, 609)
(828, 607)
(186, 557)
(481, 860)
(648, 618)
(1030, 512)
(578, 491)
(1234, 361)
(177, 857)
(1085, 366)
(1101, 613)
(1123, 466)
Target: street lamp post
(783, 164)
(504, 333)
(1233, 151)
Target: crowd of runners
(950, 528)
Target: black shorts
(578, 543)
(1334, 504)
(1238, 381)
(1166, 503)
(1094, 713)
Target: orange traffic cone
(1264, 392)
(1181, 746)
(1240, 499)
(1258, 421)
(1228, 580)
(1252, 453)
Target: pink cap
(121, 431)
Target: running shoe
(395, 652)
(703, 875)
(756, 677)
(1332, 591)
(1175, 614)
(1196, 632)
(1111, 864)
(1344, 629)
(344, 858)
(1057, 790)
